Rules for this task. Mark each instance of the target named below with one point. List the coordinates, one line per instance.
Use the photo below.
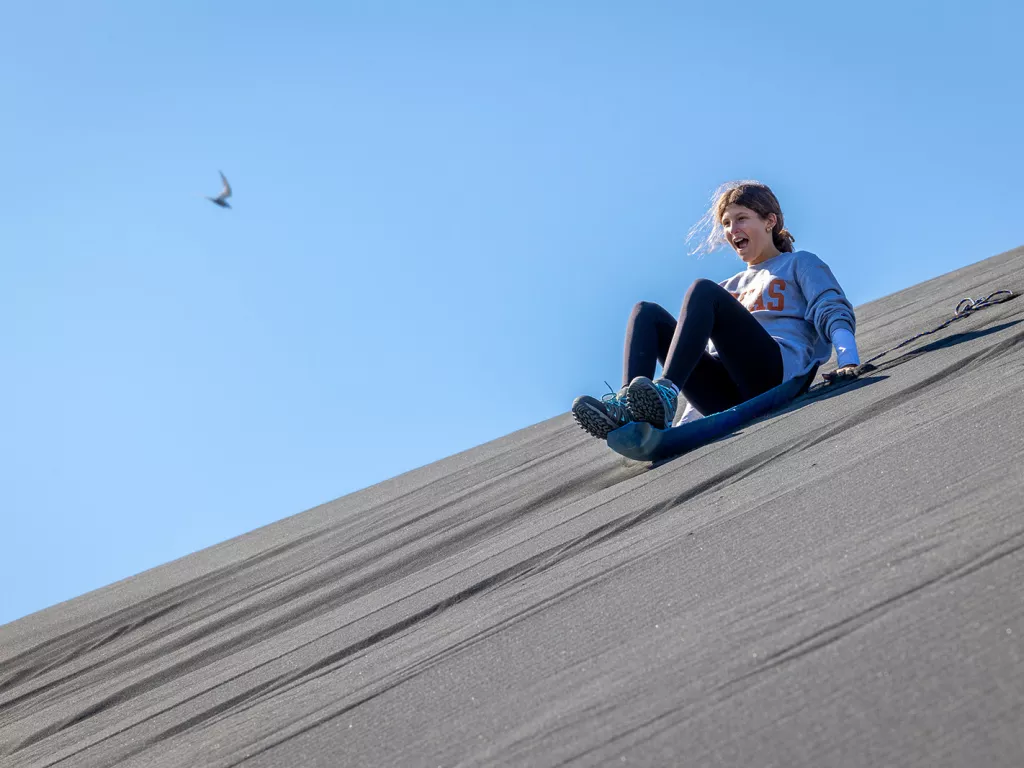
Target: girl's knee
(705, 286)
(702, 290)
(644, 308)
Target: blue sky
(444, 212)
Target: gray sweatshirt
(798, 300)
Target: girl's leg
(710, 389)
(749, 360)
(648, 338)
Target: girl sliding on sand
(776, 320)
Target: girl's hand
(840, 374)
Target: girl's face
(748, 234)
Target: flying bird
(225, 193)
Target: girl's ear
(772, 220)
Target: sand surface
(840, 584)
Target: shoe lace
(667, 392)
(615, 405)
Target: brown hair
(750, 194)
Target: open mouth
(740, 242)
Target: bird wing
(226, 192)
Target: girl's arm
(828, 309)
(846, 348)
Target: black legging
(749, 360)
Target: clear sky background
(443, 214)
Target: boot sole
(592, 420)
(645, 404)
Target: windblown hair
(750, 194)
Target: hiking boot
(652, 401)
(599, 417)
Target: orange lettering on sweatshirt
(776, 297)
(753, 299)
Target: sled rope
(965, 307)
